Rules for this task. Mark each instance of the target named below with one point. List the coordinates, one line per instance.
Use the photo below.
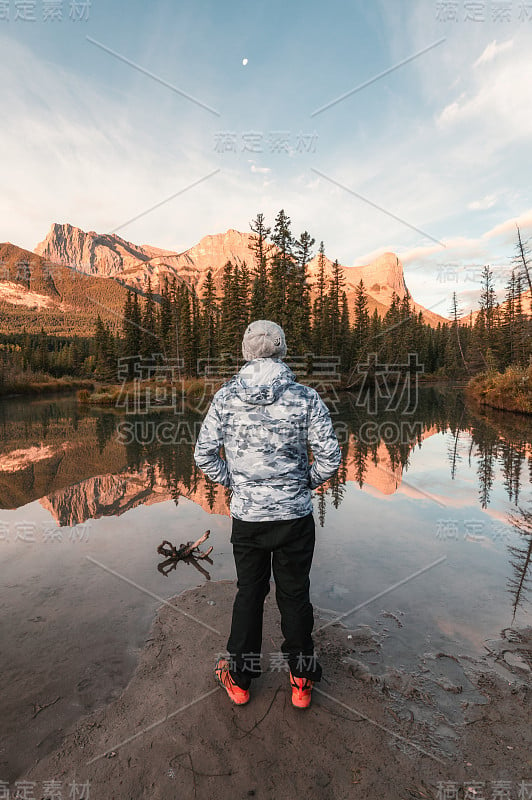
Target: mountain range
(78, 274)
(35, 293)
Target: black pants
(288, 546)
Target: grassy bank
(36, 383)
(193, 390)
(509, 391)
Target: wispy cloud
(460, 247)
(492, 51)
(524, 221)
(488, 201)
(495, 103)
(261, 170)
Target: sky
(396, 125)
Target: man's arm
(323, 442)
(207, 450)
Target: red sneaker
(301, 691)
(223, 676)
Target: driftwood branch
(188, 552)
(169, 550)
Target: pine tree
(105, 354)
(75, 356)
(149, 339)
(130, 331)
(184, 328)
(318, 322)
(345, 336)
(488, 301)
(195, 332)
(174, 350)
(298, 295)
(507, 332)
(522, 334)
(227, 331)
(126, 318)
(454, 357)
(239, 315)
(336, 286)
(483, 334)
(375, 331)
(261, 250)
(282, 263)
(388, 340)
(42, 361)
(361, 324)
(164, 326)
(209, 349)
(522, 260)
(326, 346)
(136, 326)
(26, 349)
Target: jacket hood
(262, 381)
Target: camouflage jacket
(265, 422)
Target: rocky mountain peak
(96, 254)
(111, 256)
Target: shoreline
(199, 388)
(54, 386)
(388, 736)
(505, 391)
(102, 394)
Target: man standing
(265, 421)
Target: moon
(244, 62)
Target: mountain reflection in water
(81, 464)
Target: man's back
(265, 421)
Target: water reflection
(76, 462)
(520, 558)
(87, 469)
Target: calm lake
(414, 538)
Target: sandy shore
(173, 733)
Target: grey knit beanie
(263, 339)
